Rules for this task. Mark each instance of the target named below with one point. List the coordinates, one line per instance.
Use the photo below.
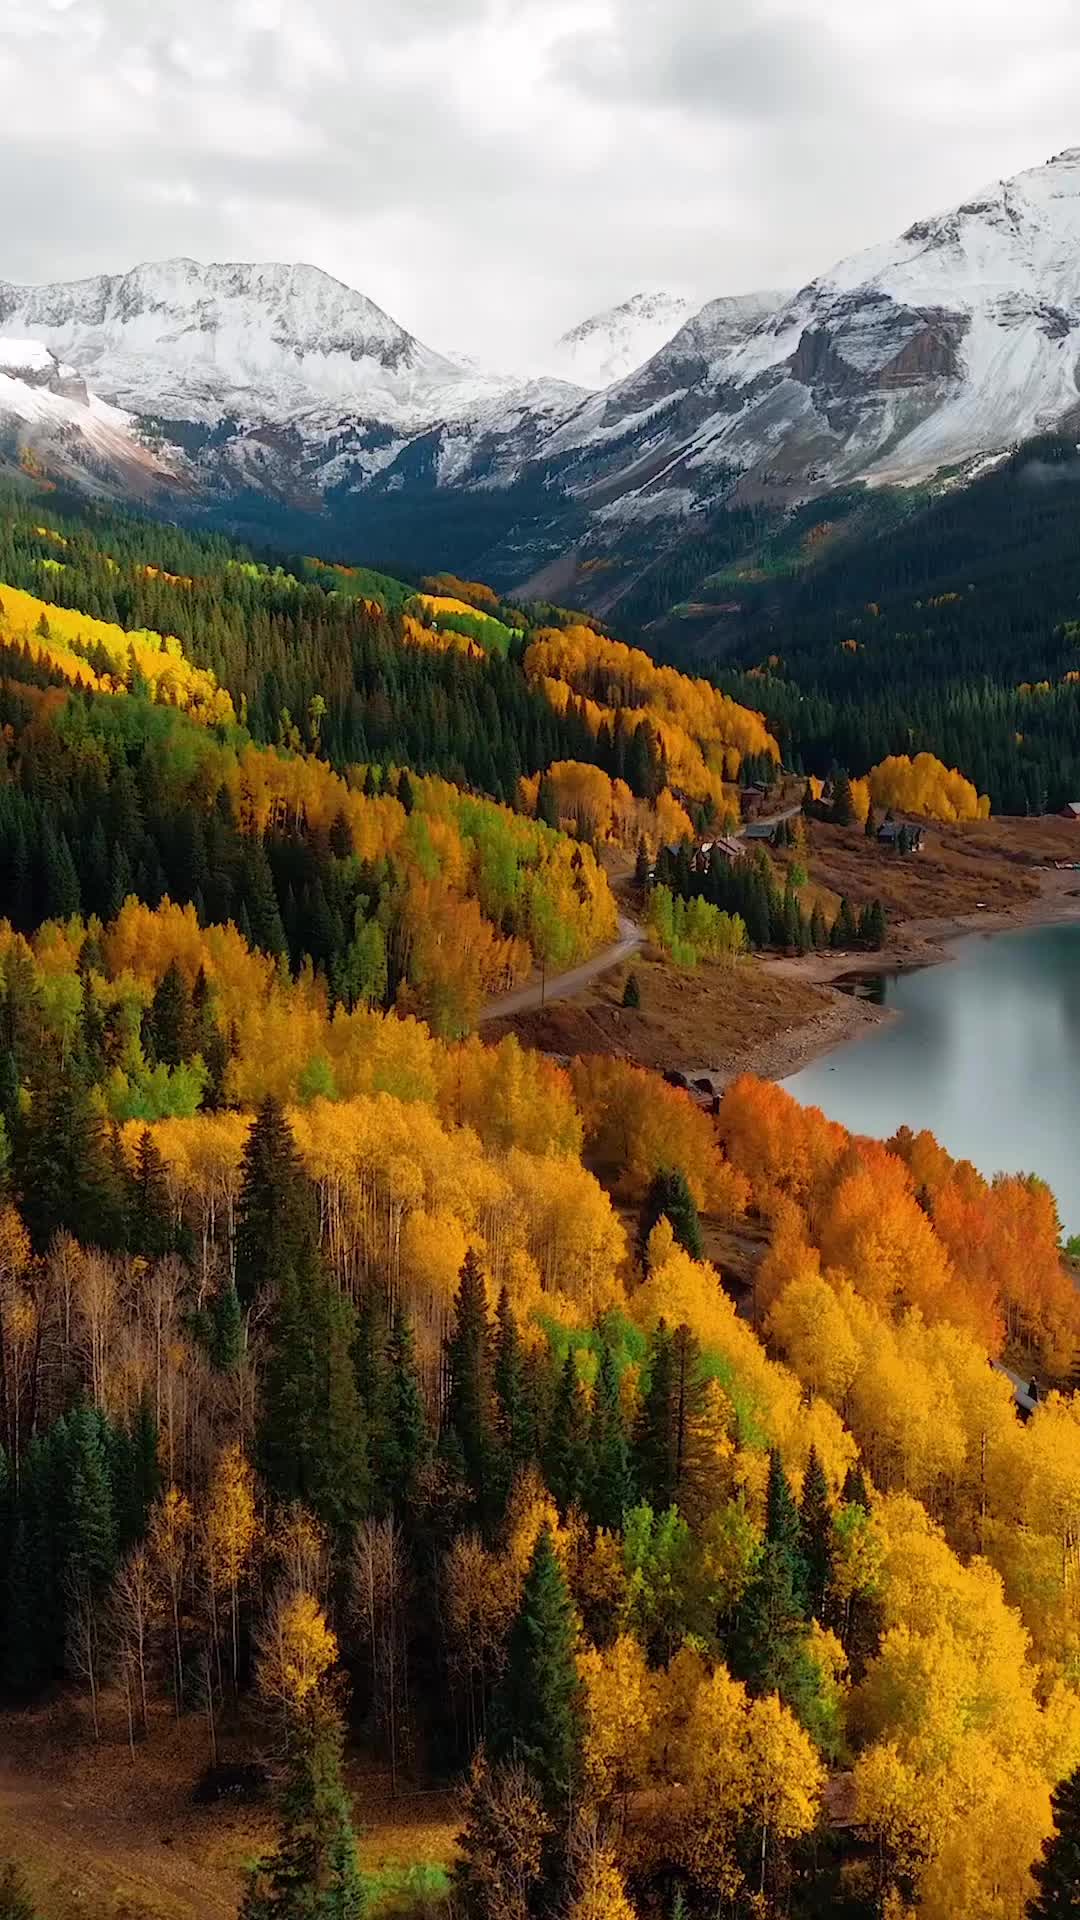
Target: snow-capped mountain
(608, 346)
(48, 415)
(951, 343)
(179, 340)
(935, 351)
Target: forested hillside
(368, 1396)
(870, 624)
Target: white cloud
(492, 170)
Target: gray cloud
(492, 170)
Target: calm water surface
(986, 1054)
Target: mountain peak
(607, 346)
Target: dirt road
(562, 985)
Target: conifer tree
(312, 1445)
(565, 1455)
(516, 1410)
(609, 1486)
(537, 1714)
(641, 865)
(843, 809)
(469, 1411)
(149, 1214)
(631, 995)
(854, 1491)
(1057, 1873)
(275, 1215)
(669, 1194)
(405, 1437)
(169, 1020)
(654, 1462)
(313, 1874)
(226, 1329)
(815, 1536)
(772, 1619)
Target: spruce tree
(469, 1416)
(313, 1874)
(772, 1621)
(815, 1536)
(565, 1455)
(149, 1214)
(1057, 1873)
(514, 1399)
(654, 1451)
(631, 994)
(276, 1213)
(854, 1491)
(669, 1194)
(843, 809)
(609, 1487)
(641, 865)
(169, 1020)
(537, 1713)
(312, 1444)
(405, 1438)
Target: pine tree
(843, 933)
(169, 1021)
(669, 1194)
(565, 1455)
(150, 1229)
(312, 1444)
(1057, 1873)
(654, 1452)
(843, 808)
(276, 1214)
(537, 1714)
(609, 1487)
(631, 995)
(469, 1412)
(815, 1536)
(514, 1399)
(313, 1873)
(405, 1440)
(854, 1491)
(871, 827)
(641, 865)
(767, 1646)
(405, 791)
(226, 1329)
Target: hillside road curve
(562, 985)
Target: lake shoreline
(913, 945)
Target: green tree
(513, 1393)
(276, 1212)
(843, 808)
(312, 1444)
(609, 1487)
(654, 1454)
(670, 1194)
(170, 1021)
(537, 1714)
(815, 1535)
(1057, 1873)
(405, 1436)
(150, 1227)
(469, 1412)
(313, 1873)
(768, 1642)
(631, 994)
(565, 1454)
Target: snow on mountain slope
(947, 345)
(180, 340)
(49, 420)
(608, 346)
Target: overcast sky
(491, 171)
